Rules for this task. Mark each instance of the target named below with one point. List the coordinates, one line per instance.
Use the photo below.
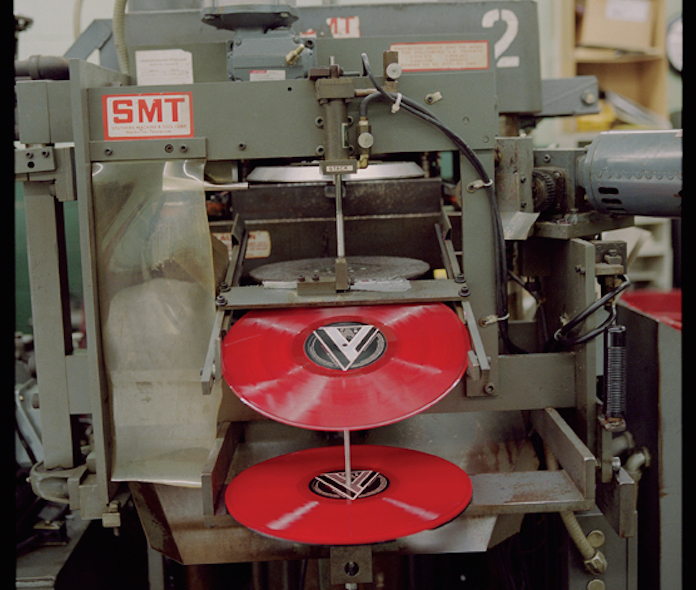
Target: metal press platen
(359, 268)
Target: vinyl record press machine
(239, 137)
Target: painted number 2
(503, 44)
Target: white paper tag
(636, 11)
(163, 66)
(258, 75)
(259, 244)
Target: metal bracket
(34, 159)
(617, 501)
(212, 367)
(443, 230)
(55, 166)
(478, 368)
(573, 456)
(215, 470)
(351, 564)
(162, 149)
(58, 485)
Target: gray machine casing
(483, 424)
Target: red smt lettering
(147, 116)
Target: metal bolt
(169, 148)
(301, 279)
(221, 300)
(596, 538)
(464, 291)
(241, 145)
(29, 155)
(108, 151)
(224, 286)
(315, 277)
(183, 148)
(489, 388)
(596, 584)
(45, 153)
(460, 278)
(393, 72)
(589, 97)
(546, 158)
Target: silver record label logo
(363, 484)
(345, 345)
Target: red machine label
(147, 116)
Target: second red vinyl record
(303, 496)
(345, 368)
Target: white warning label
(259, 244)
(147, 116)
(442, 55)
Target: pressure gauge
(675, 52)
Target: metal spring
(615, 372)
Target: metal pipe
(43, 67)
(594, 560)
(346, 453)
(340, 236)
(119, 16)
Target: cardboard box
(618, 24)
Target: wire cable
(608, 302)
(499, 238)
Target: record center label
(363, 484)
(345, 345)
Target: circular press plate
(359, 268)
(312, 173)
(345, 368)
(303, 496)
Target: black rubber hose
(499, 238)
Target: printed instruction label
(257, 75)
(442, 55)
(147, 116)
(259, 244)
(159, 67)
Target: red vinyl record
(345, 368)
(303, 497)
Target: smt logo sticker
(147, 116)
